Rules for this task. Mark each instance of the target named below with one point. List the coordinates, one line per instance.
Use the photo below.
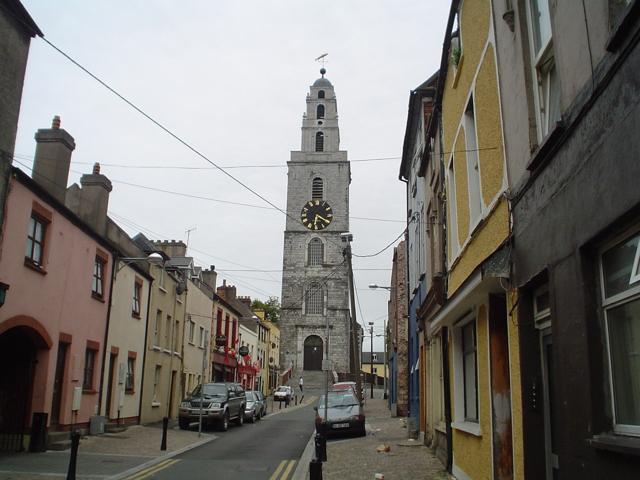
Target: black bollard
(315, 470)
(75, 442)
(321, 447)
(165, 425)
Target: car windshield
(283, 389)
(339, 399)
(251, 396)
(211, 390)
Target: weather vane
(322, 59)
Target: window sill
(616, 443)
(135, 315)
(162, 289)
(89, 391)
(180, 301)
(542, 154)
(155, 404)
(34, 266)
(156, 348)
(97, 297)
(468, 427)
(441, 427)
(129, 392)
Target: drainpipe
(446, 383)
(144, 351)
(114, 268)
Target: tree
(271, 308)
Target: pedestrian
(301, 383)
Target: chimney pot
(96, 168)
(55, 123)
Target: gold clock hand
(326, 220)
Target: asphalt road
(267, 450)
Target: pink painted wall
(60, 301)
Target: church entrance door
(313, 353)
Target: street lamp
(371, 353)
(153, 258)
(375, 286)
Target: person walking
(301, 383)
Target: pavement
(357, 458)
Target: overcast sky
(230, 77)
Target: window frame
(192, 331)
(137, 299)
(129, 382)
(42, 242)
(461, 421)
(157, 380)
(97, 282)
(88, 373)
(315, 252)
(319, 141)
(201, 338)
(316, 306)
(474, 177)
(321, 94)
(610, 303)
(452, 208)
(317, 186)
(157, 330)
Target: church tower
(315, 272)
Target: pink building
(55, 272)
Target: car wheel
(362, 432)
(254, 417)
(224, 423)
(183, 423)
(240, 419)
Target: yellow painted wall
(366, 368)
(471, 453)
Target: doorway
(313, 353)
(112, 362)
(550, 434)
(58, 383)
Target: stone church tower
(315, 272)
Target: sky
(230, 78)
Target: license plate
(340, 425)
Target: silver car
(255, 407)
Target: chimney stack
(173, 248)
(228, 292)
(53, 156)
(210, 277)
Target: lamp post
(371, 354)
(374, 286)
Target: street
(268, 449)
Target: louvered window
(320, 111)
(319, 142)
(321, 94)
(316, 252)
(317, 189)
(314, 303)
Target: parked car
(344, 414)
(283, 393)
(349, 385)
(254, 407)
(263, 400)
(221, 403)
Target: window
(226, 330)
(320, 111)
(547, 88)
(89, 366)
(314, 304)
(621, 303)
(453, 214)
(167, 332)
(319, 142)
(156, 328)
(176, 336)
(156, 384)
(320, 93)
(316, 252)
(131, 368)
(541, 307)
(137, 291)
(98, 277)
(473, 168)
(34, 251)
(317, 189)
(469, 372)
(201, 338)
(192, 328)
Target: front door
(313, 353)
(112, 362)
(551, 457)
(58, 383)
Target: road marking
(153, 469)
(278, 470)
(286, 473)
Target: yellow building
(482, 341)
(272, 351)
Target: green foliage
(456, 52)
(271, 308)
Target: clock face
(316, 215)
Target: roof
(17, 11)
(379, 357)
(322, 82)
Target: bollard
(315, 470)
(321, 447)
(75, 442)
(165, 425)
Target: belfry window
(319, 142)
(320, 111)
(317, 189)
(314, 299)
(321, 94)
(315, 252)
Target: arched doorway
(17, 362)
(313, 353)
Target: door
(313, 353)
(171, 385)
(58, 383)
(112, 361)
(550, 435)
